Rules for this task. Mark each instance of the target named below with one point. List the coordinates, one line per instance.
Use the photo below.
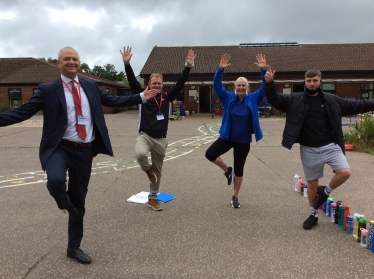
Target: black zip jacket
(296, 106)
(148, 111)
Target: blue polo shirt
(241, 129)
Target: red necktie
(81, 129)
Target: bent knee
(56, 180)
(345, 173)
(210, 156)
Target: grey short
(315, 158)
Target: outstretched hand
(225, 61)
(269, 76)
(126, 54)
(190, 58)
(150, 93)
(261, 61)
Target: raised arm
(261, 63)
(217, 80)
(133, 83)
(177, 88)
(279, 101)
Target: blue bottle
(330, 201)
(349, 224)
(325, 207)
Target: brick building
(19, 78)
(347, 69)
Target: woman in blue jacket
(239, 121)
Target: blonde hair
(156, 75)
(246, 84)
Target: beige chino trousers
(157, 148)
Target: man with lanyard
(153, 122)
(74, 131)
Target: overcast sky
(97, 29)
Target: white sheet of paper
(141, 197)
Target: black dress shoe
(79, 255)
(74, 213)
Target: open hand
(269, 76)
(261, 61)
(126, 54)
(225, 61)
(148, 93)
(190, 58)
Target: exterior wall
(345, 90)
(27, 93)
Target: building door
(204, 99)
(15, 97)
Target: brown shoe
(154, 204)
(151, 175)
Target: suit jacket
(50, 98)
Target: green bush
(361, 135)
(4, 107)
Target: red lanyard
(158, 105)
(78, 98)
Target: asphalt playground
(197, 235)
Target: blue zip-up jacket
(228, 98)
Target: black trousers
(221, 146)
(78, 164)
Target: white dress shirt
(71, 133)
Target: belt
(157, 136)
(76, 144)
(154, 136)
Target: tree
(50, 60)
(85, 68)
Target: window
(366, 91)
(113, 92)
(34, 90)
(329, 87)
(192, 95)
(230, 88)
(15, 97)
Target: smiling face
(241, 87)
(156, 83)
(68, 62)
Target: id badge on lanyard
(82, 120)
(159, 116)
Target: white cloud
(144, 24)
(77, 17)
(7, 15)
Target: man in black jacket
(153, 122)
(314, 121)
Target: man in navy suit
(74, 131)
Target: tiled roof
(325, 57)
(30, 70)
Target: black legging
(221, 146)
